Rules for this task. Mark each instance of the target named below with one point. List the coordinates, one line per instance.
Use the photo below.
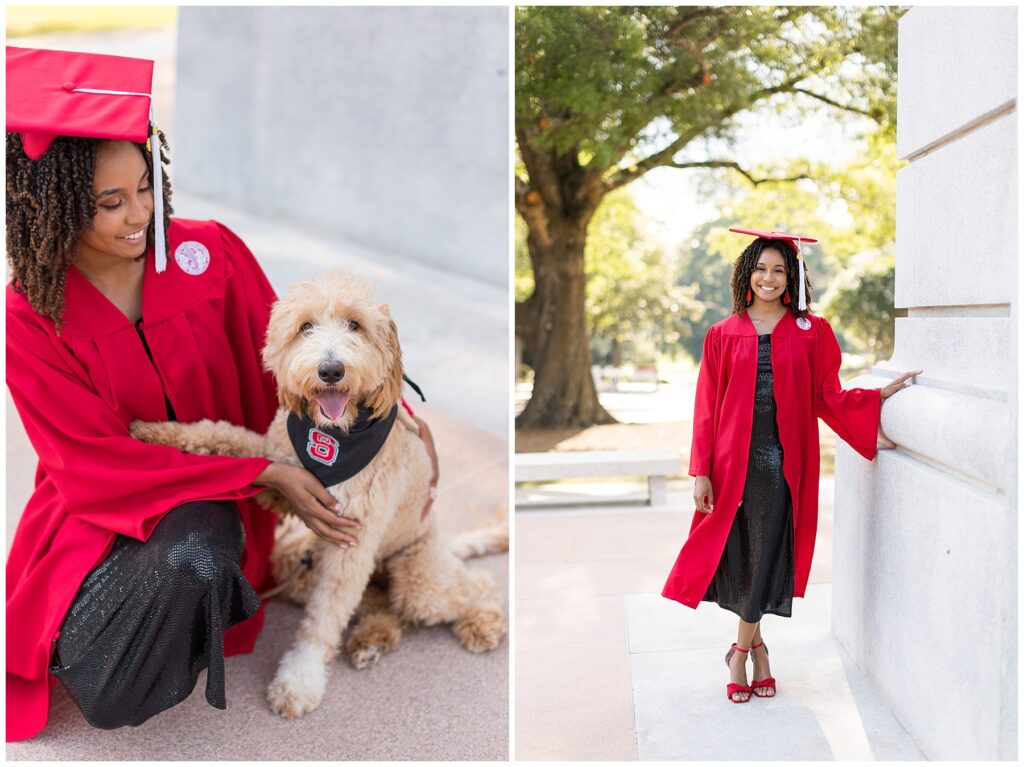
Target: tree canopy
(606, 94)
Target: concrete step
(824, 709)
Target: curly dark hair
(49, 201)
(743, 267)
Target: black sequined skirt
(152, 615)
(756, 572)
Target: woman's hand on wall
(895, 385)
(898, 384)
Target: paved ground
(430, 700)
(608, 669)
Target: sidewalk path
(608, 669)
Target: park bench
(645, 374)
(655, 465)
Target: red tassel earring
(750, 297)
(785, 298)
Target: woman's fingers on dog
(329, 533)
(328, 502)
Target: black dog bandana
(333, 455)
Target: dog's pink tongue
(332, 404)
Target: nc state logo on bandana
(332, 455)
(322, 447)
(192, 257)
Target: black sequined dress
(755, 573)
(153, 614)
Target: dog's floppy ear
(387, 395)
(281, 330)
(279, 334)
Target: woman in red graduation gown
(134, 566)
(767, 373)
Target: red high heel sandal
(732, 687)
(766, 682)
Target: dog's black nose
(331, 372)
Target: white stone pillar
(925, 536)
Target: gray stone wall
(925, 560)
(387, 127)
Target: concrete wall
(385, 126)
(925, 560)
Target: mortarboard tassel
(157, 177)
(803, 294)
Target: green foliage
(860, 302)
(705, 265)
(606, 94)
(849, 208)
(46, 19)
(523, 270)
(615, 83)
(635, 307)
(636, 304)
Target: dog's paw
(299, 684)
(481, 630)
(365, 657)
(374, 635)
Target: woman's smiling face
(124, 203)
(768, 280)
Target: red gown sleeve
(703, 446)
(853, 414)
(104, 476)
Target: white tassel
(803, 292)
(157, 177)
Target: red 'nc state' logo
(322, 447)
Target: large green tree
(636, 306)
(606, 94)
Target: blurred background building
(385, 126)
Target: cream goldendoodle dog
(336, 357)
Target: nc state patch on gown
(332, 455)
(193, 257)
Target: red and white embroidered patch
(193, 257)
(322, 447)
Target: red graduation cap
(794, 240)
(91, 95)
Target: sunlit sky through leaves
(672, 200)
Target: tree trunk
(616, 353)
(552, 325)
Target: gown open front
(755, 574)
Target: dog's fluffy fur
(426, 580)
